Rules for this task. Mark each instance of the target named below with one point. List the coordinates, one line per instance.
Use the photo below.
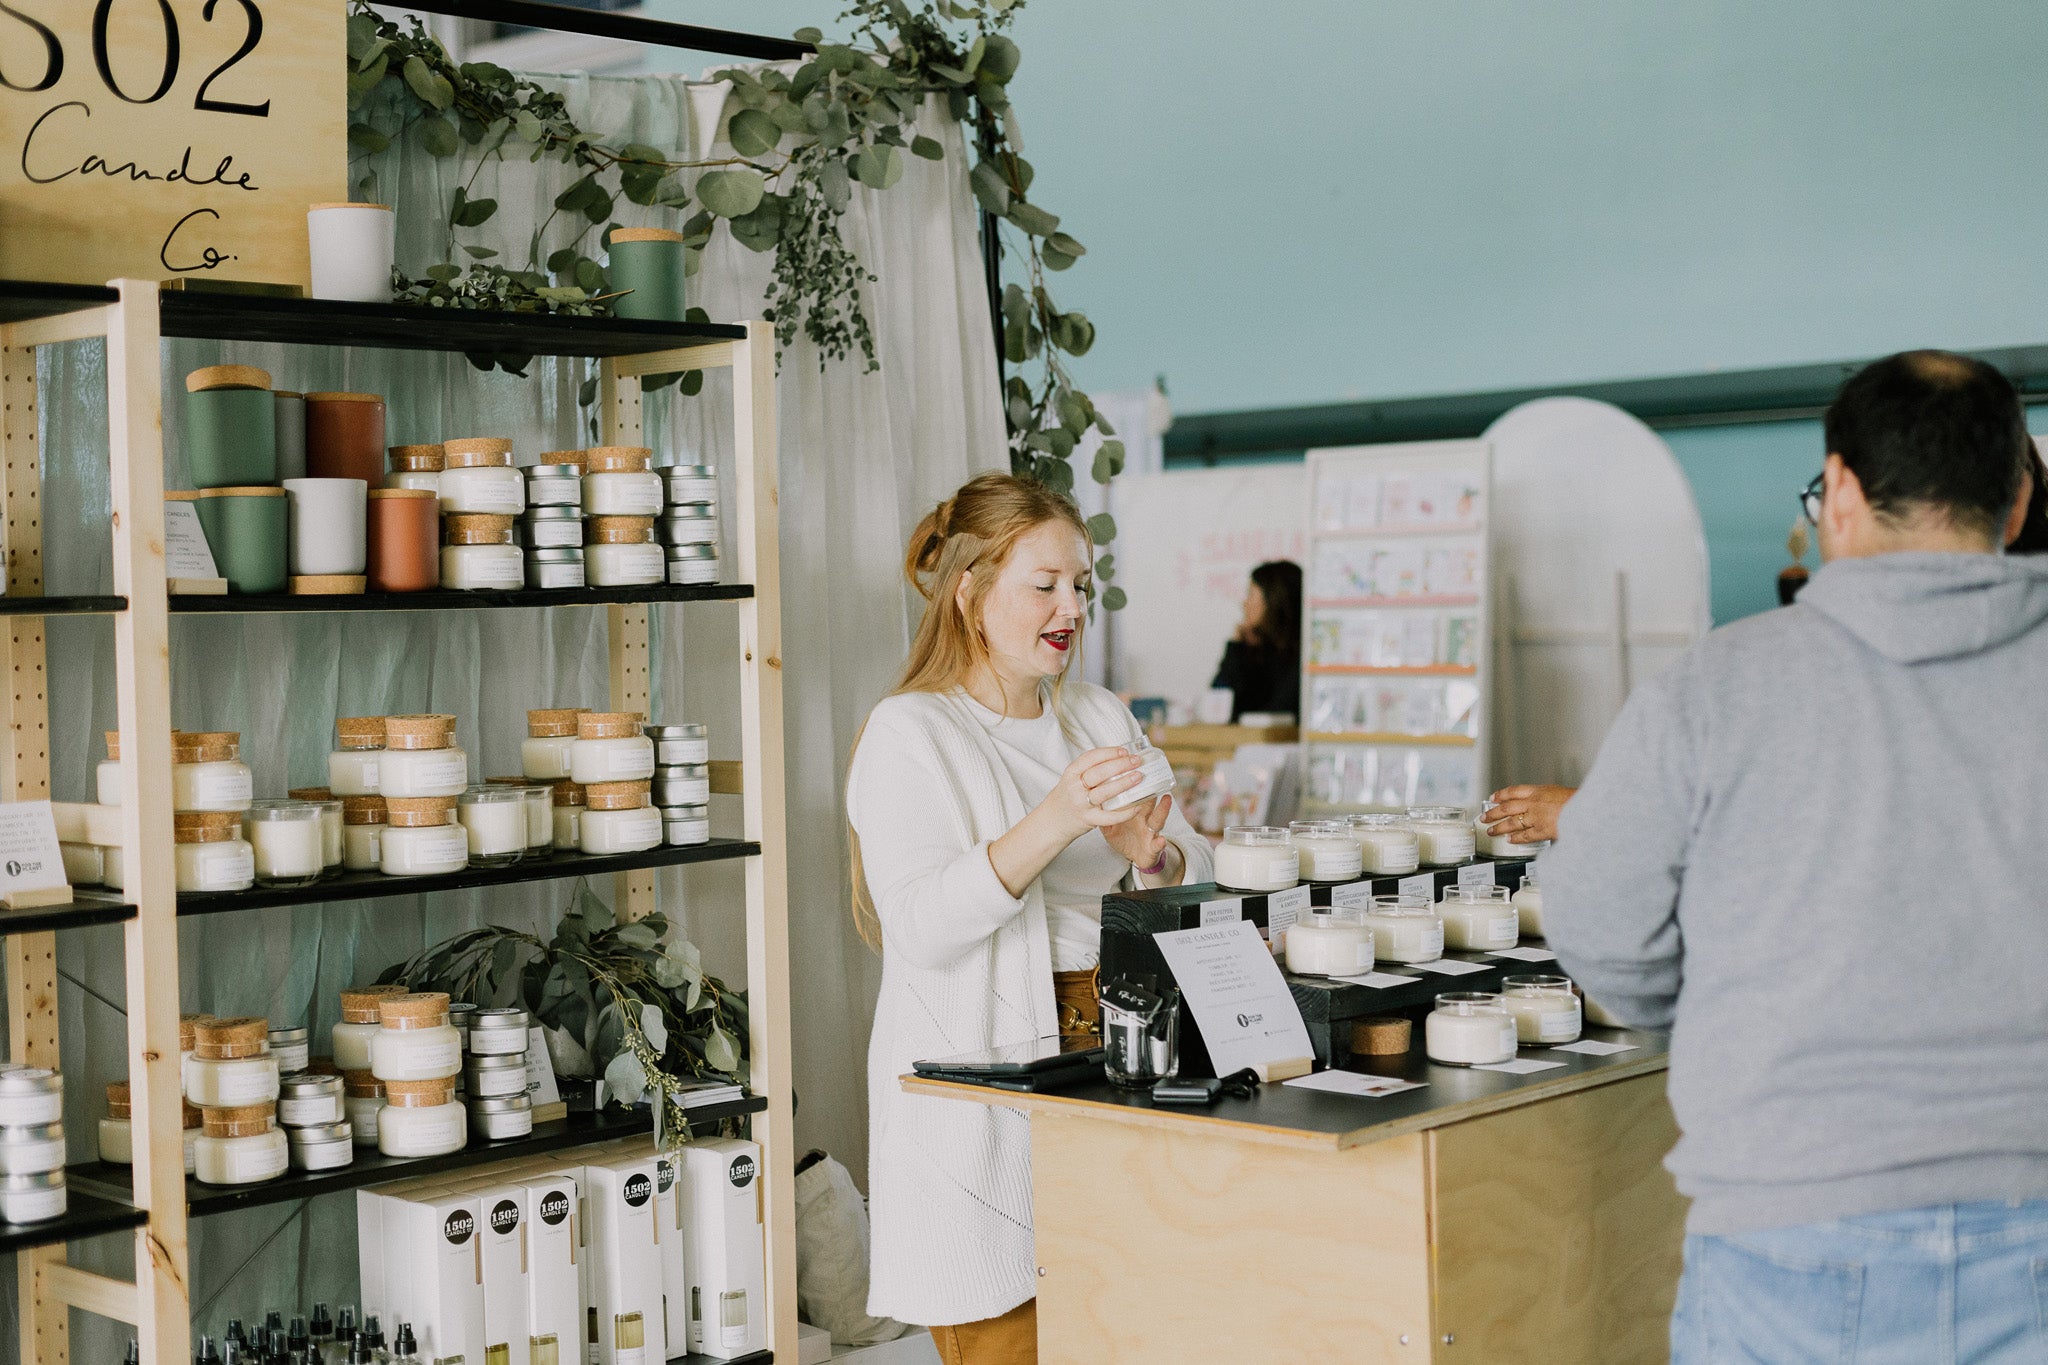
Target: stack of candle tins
(552, 529)
(31, 1144)
(689, 528)
(494, 1080)
(681, 786)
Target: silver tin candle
(554, 485)
(693, 564)
(324, 1147)
(460, 1012)
(32, 1150)
(682, 784)
(30, 1095)
(691, 484)
(32, 1198)
(680, 743)
(288, 1045)
(552, 528)
(501, 1117)
(494, 1076)
(498, 1032)
(554, 568)
(685, 825)
(694, 525)
(309, 1101)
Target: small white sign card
(1520, 1066)
(31, 863)
(1422, 884)
(1229, 979)
(1476, 874)
(1284, 909)
(1351, 1083)
(1226, 911)
(186, 553)
(1594, 1047)
(1449, 966)
(1352, 896)
(1525, 954)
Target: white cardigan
(965, 966)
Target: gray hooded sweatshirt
(1817, 849)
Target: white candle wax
(1328, 851)
(1409, 934)
(1479, 926)
(1472, 1032)
(1544, 1016)
(220, 785)
(289, 844)
(495, 821)
(619, 831)
(353, 772)
(423, 772)
(1254, 858)
(1322, 946)
(545, 758)
(612, 760)
(1529, 908)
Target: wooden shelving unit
(151, 1201)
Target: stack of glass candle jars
(689, 526)
(117, 1131)
(31, 1145)
(416, 1054)
(613, 761)
(552, 528)
(622, 498)
(234, 1079)
(494, 1074)
(681, 787)
(362, 1092)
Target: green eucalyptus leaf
(1105, 566)
(789, 117)
(638, 934)
(761, 229)
(809, 35)
(437, 136)
(1102, 528)
(1000, 61)
(731, 193)
(721, 1052)
(1032, 218)
(1073, 411)
(369, 139)
(443, 273)
(754, 133)
(475, 212)
(990, 189)
(930, 148)
(430, 85)
(693, 383)
(834, 184)
(527, 126)
(1062, 242)
(561, 260)
(480, 253)
(1114, 599)
(1052, 258)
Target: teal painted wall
(1316, 200)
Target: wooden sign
(168, 139)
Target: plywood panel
(1173, 1247)
(1558, 1233)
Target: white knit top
(965, 966)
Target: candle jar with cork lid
(207, 772)
(211, 854)
(550, 734)
(621, 482)
(416, 467)
(414, 1040)
(622, 552)
(568, 801)
(420, 758)
(352, 766)
(362, 1095)
(362, 833)
(478, 476)
(231, 1064)
(359, 1024)
(610, 747)
(117, 1133)
(478, 553)
(422, 837)
(618, 819)
(230, 427)
(240, 1145)
(421, 1118)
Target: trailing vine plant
(801, 140)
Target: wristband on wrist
(1157, 867)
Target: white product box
(371, 1257)
(501, 1235)
(554, 1263)
(625, 1260)
(721, 1199)
(433, 1271)
(668, 1230)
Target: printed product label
(426, 1058)
(555, 535)
(246, 1084)
(1285, 869)
(686, 751)
(491, 495)
(694, 792)
(689, 832)
(501, 571)
(35, 1205)
(1558, 1027)
(633, 497)
(222, 786)
(694, 571)
(441, 773)
(438, 1127)
(1352, 895)
(1478, 874)
(225, 867)
(1422, 884)
(630, 763)
(693, 490)
(1222, 912)
(1365, 958)
(1502, 933)
(642, 830)
(307, 1113)
(1509, 1040)
(1433, 940)
(269, 1163)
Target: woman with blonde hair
(983, 844)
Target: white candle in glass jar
(207, 772)
(1469, 1028)
(1478, 919)
(231, 1064)
(477, 477)
(1257, 858)
(359, 1024)
(495, 820)
(240, 1145)
(544, 753)
(1528, 900)
(1327, 850)
(1155, 775)
(1339, 943)
(620, 483)
(482, 568)
(1545, 1009)
(537, 801)
(1387, 848)
(1501, 845)
(610, 748)
(290, 846)
(210, 853)
(363, 1098)
(420, 758)
(352, 767)
(1443, 834)
(330, 822)
(362, 833)
(421, 1118)
(621, 566)
(414, 1040)
(568, 798)
(619, 831)
(1405, 929)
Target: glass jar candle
(501, 1116)
(32, 1150)
(574, 459)
(568, 798)
(84, 864)
(30, 1096)
(1405, 929)
(1443, 835)
(498, 1032)
(415, 1041)
(610, 748)
(1338, 943)
(1478, 919)
(681, 784)
(692, 564)
(544, 753)
(308, 1101)
(478, 554)
(117, 1134)
(494, 820)
(288, 1044)
(32, 1198)
(1328, 851)
(477, 477)
(421, 1118)
(538, 801)
(620, 482)
(1386, 847)
(492, 1077)
(352, 767)
(1545, 1009)
(322, 1147)
(1469, 1028)
(210, 852)
(621, 552)
(330, 822)
(683, 826)
(416, 467)
(553, 528)
(422, 837)
(689, 484)
(555, 485)
(1528, 899)
(690, 526)
(207, 772)
(360, 1022)
(241, 1145)
(1501, 845)
(420, 758)
(1257, 858)
(1155, 777)
(362, 833)
(231, 1064)
(617, 819)
(107, 777)
(362, 1095)
(291, 848)
(674, 744)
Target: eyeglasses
(1809, 499)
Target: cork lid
(615, 795)
(192, 1117)
(360, 732)
(239, 1120)
(619, 530)
(419, 732)
(421, 1009)
(645, 235)
(609, 724)
(419, 1094)
(117, 1099)
(619, 459)
(361, 1085)
(419, 812)
(188, 1026)
(579, 458)
(362, 810)
(113, 744)
(218, 1039)
(311, 793)
(551, 724)
(473, 452)
(359, 1004)
(345, 397)
(254, 490)
(226, 377)
(417, 459)
(349, 204)
(570, 794)
(414, 494)
(205, 827)
(206, 746)
(476, 528)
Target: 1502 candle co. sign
(166, 138)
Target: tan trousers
(1011, 1339)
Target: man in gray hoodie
(1814, 849)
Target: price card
(1379, 981)
(1422, 884)
(1227, 911)
(1476, 874)
(1450, 966)
(540, 1068)
(1352, 896)
(1283, 908)
(1520, 1066)
(31, 863)
(186, 553)
(1593, 1047)
(1352, 1083)
(1525, 953)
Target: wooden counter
(1485, 1217)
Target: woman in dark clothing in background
(1262, 663)
(2033, 536)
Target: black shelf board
(356, 886)
(24, 300)
(630, 27)
(374, 1168)
(85, 1215)
(75, 914)
(449, 599)
(61, 606)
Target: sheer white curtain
(862, 456)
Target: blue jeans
(1936, 1286)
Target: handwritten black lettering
(223, 174)
(209, 259)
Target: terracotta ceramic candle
(230, 427)
(345, 436)
(404, 540)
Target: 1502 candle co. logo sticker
(167, 138)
